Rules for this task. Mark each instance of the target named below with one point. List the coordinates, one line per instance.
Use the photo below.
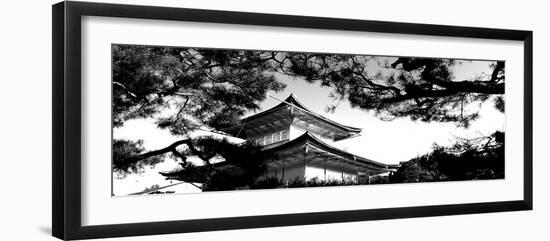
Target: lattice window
(268, 139)
(276, 137)
(284, 135)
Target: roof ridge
(292, 97)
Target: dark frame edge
(66, 121)
(290, 21)
(528, 119)
(58, 78)
(249, 222)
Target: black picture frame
(66, 47)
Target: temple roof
(328, 149)
(290, 152)
(299, 110)
(294, 101)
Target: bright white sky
(383, 141)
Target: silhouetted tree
(184, 89)
(241, 165)
(125, 153)
(420, 88)
(467, 159)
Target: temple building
(299, 142)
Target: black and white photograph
(192, 120)
(275, 120)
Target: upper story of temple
(290, 119)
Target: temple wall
(332, 173)
(290, 172)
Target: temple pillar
(306, 151)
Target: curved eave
(307, 137)
(293, 100)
